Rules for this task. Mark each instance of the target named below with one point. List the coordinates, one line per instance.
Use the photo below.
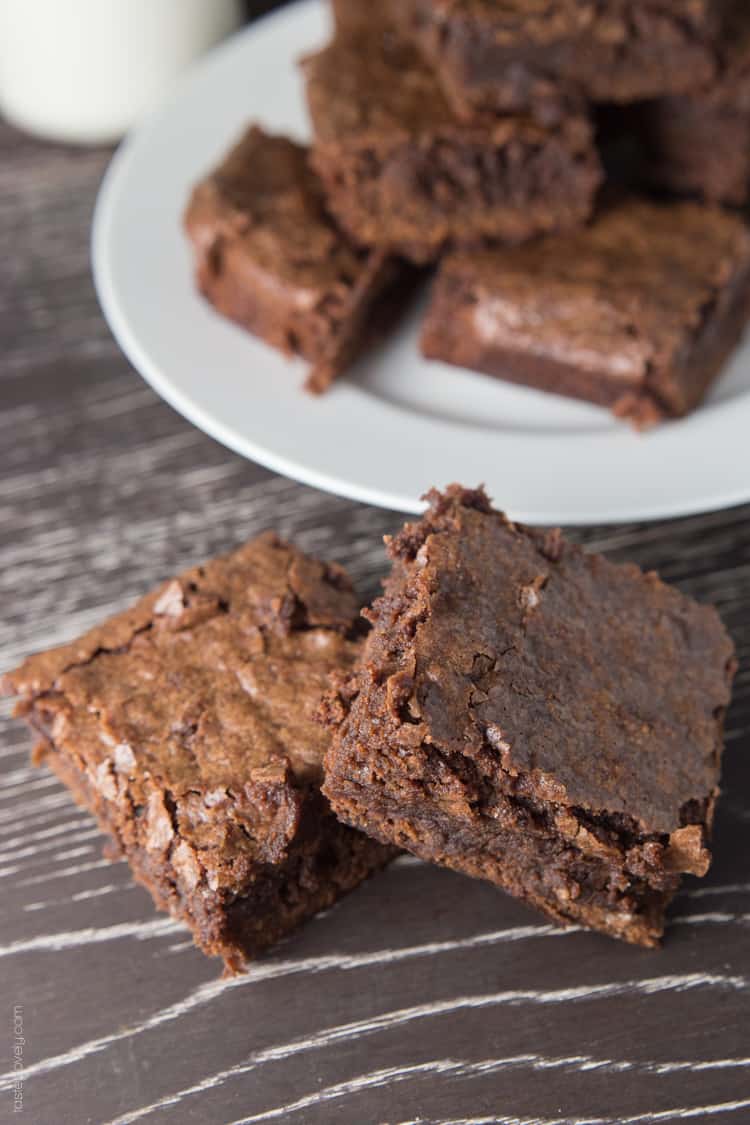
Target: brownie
(697, 144)
(357, 15)
(404, 172)
(638, 312)
(535, 716)
(187, 726)
(517, 56)
(268, 256)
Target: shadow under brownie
(535, 716)
(187, 726)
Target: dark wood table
(425, 997)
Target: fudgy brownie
(698, 144)
(268, 255)
(187, 726)
(402, 171)
(536, 716)
(637, 312)
(517, 56)
(357, 15)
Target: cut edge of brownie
(561, 882)
(354, 182)
(325, 860)
(599, 870)
(375, 303)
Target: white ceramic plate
(397, 425)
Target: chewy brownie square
(536, 716)
(268, 256)
(637, 312)
(187, 726)
(698, 144)
(404, 172)
(516, 56)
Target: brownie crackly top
(594, 685)
(196, 708)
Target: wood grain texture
(425, 997)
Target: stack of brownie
(474, 135)
(520, 711)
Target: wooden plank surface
(423, 998)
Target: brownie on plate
(356, 15)
(536, 716)
(187, 726)
(698, 144)
(404, 172)
(518, 56)
(637, 312)
(268, 256)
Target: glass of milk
(84, 71)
